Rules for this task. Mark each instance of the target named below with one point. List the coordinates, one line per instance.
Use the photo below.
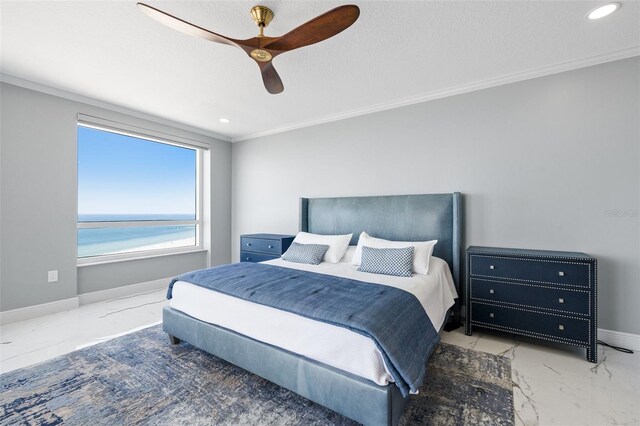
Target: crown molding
(411, 100)
(49, 90)
(456, 90)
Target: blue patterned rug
(141, 379)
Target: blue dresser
(261, 247)
(547, 295)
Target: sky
(120, 174)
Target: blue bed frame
(395, 217)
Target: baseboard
(618, 338)
(127, 290)
(35, 311)
(21, 314)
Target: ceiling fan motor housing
(261, 55)
(261, 15)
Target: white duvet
(326, 343)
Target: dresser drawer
(571, 301)
(248, 256)
(261, 245)
(535, 270)
(534, 323)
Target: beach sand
(185, 242)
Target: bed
(363, 391)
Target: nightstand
(261, 247)
(546, 295)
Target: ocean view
(101, 241)
(123, 178)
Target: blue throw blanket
(393, 318)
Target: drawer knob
(561, 274)
(560, 300)
(491, 291)
(248, 258)
(270, 246)
(248, 244)
(492, 267)
(492, 315)
(561, 327)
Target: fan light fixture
(262, 49)
(602, 11)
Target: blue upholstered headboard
(393, 217)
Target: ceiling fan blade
(318, 29)
(270, 78)
(184, 26)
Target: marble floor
(553, 384)
(28, 342)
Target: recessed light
(602, 11)
(224, 120)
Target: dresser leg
(592, 354)
(467, 329)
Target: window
(137, 195)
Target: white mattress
(326, 343)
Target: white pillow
(337, 244)
(348, 255)
(422, 250)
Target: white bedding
(326, 343)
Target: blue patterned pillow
(387, 261)
(305, 253)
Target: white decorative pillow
(422, 250)
(337, 244)
(348, 255)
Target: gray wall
(540, 163)
(38, 203)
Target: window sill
(103, 260)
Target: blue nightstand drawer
(536, 324)
(261, 245)
(534, 270)
(549, 298)
(247, 256)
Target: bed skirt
(350, 395)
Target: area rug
(140, 378)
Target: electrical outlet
(52, 276)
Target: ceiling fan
(261, 48)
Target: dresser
(546, 295)
(261, 247)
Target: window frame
(152, 136)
